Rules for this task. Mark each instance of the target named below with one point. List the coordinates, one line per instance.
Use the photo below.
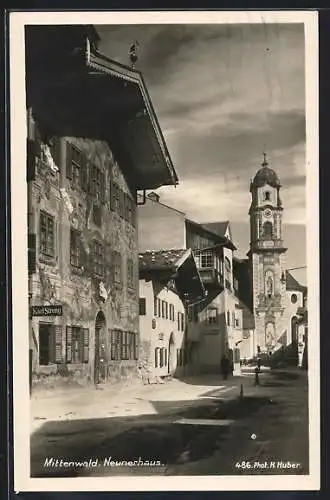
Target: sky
(223, 94)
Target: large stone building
(276, 295)
(93, 140)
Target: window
(50, 343)
(77, 344)
(123, 345)
(172, 312)
(233, 319)
(166, 310)
(75, 248)
(116, 341)
(162, 357)
(206, 258)
(228, 318)
(117, 267)
(267, 230)
(236, 322)
(211, 316)
(98, 258)
(47, 234)
(155, 306)
(157, 357)
(163, 308)
(97, 185)
(159, 307)
(267, 196)
(142, 306)
(294, 298)
(193, 313)
(130, 273)
(180, 322)
(76, 164)
(97, 215)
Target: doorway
(294, 330)
(171, 355)
(100, 357)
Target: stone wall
(82, 291)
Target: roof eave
(100, 62)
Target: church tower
(266, 257)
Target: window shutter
(84, 173)
(85, 345)
(32, 253)
(69, 160)
(142, 306)
(58, 344)
(30, 160)
(68, 344)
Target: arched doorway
(171, 355)
(100, 358)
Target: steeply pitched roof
(293, 284)
(162, 259)
(218, 228)
(220, 238)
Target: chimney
(153, 196)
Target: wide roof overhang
(80, 93)
(183, 272)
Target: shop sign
(51, 310)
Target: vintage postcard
(164, 180)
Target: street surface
(197, 426)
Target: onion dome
(266, 175)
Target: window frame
(98, 258)
(45, 248)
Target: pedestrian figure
(225, 367)
(256, 376)
(259, 364)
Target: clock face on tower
(267, 213)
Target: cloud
(223, 94)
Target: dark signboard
(47, 310)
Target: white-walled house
(169, 280)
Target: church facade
(273, 317)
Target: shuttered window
(142, 306)
(47, 234)
(98, 258)
(75, 248)
(124, 345)
(50, 343)
(77, 344)
(116, 336)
